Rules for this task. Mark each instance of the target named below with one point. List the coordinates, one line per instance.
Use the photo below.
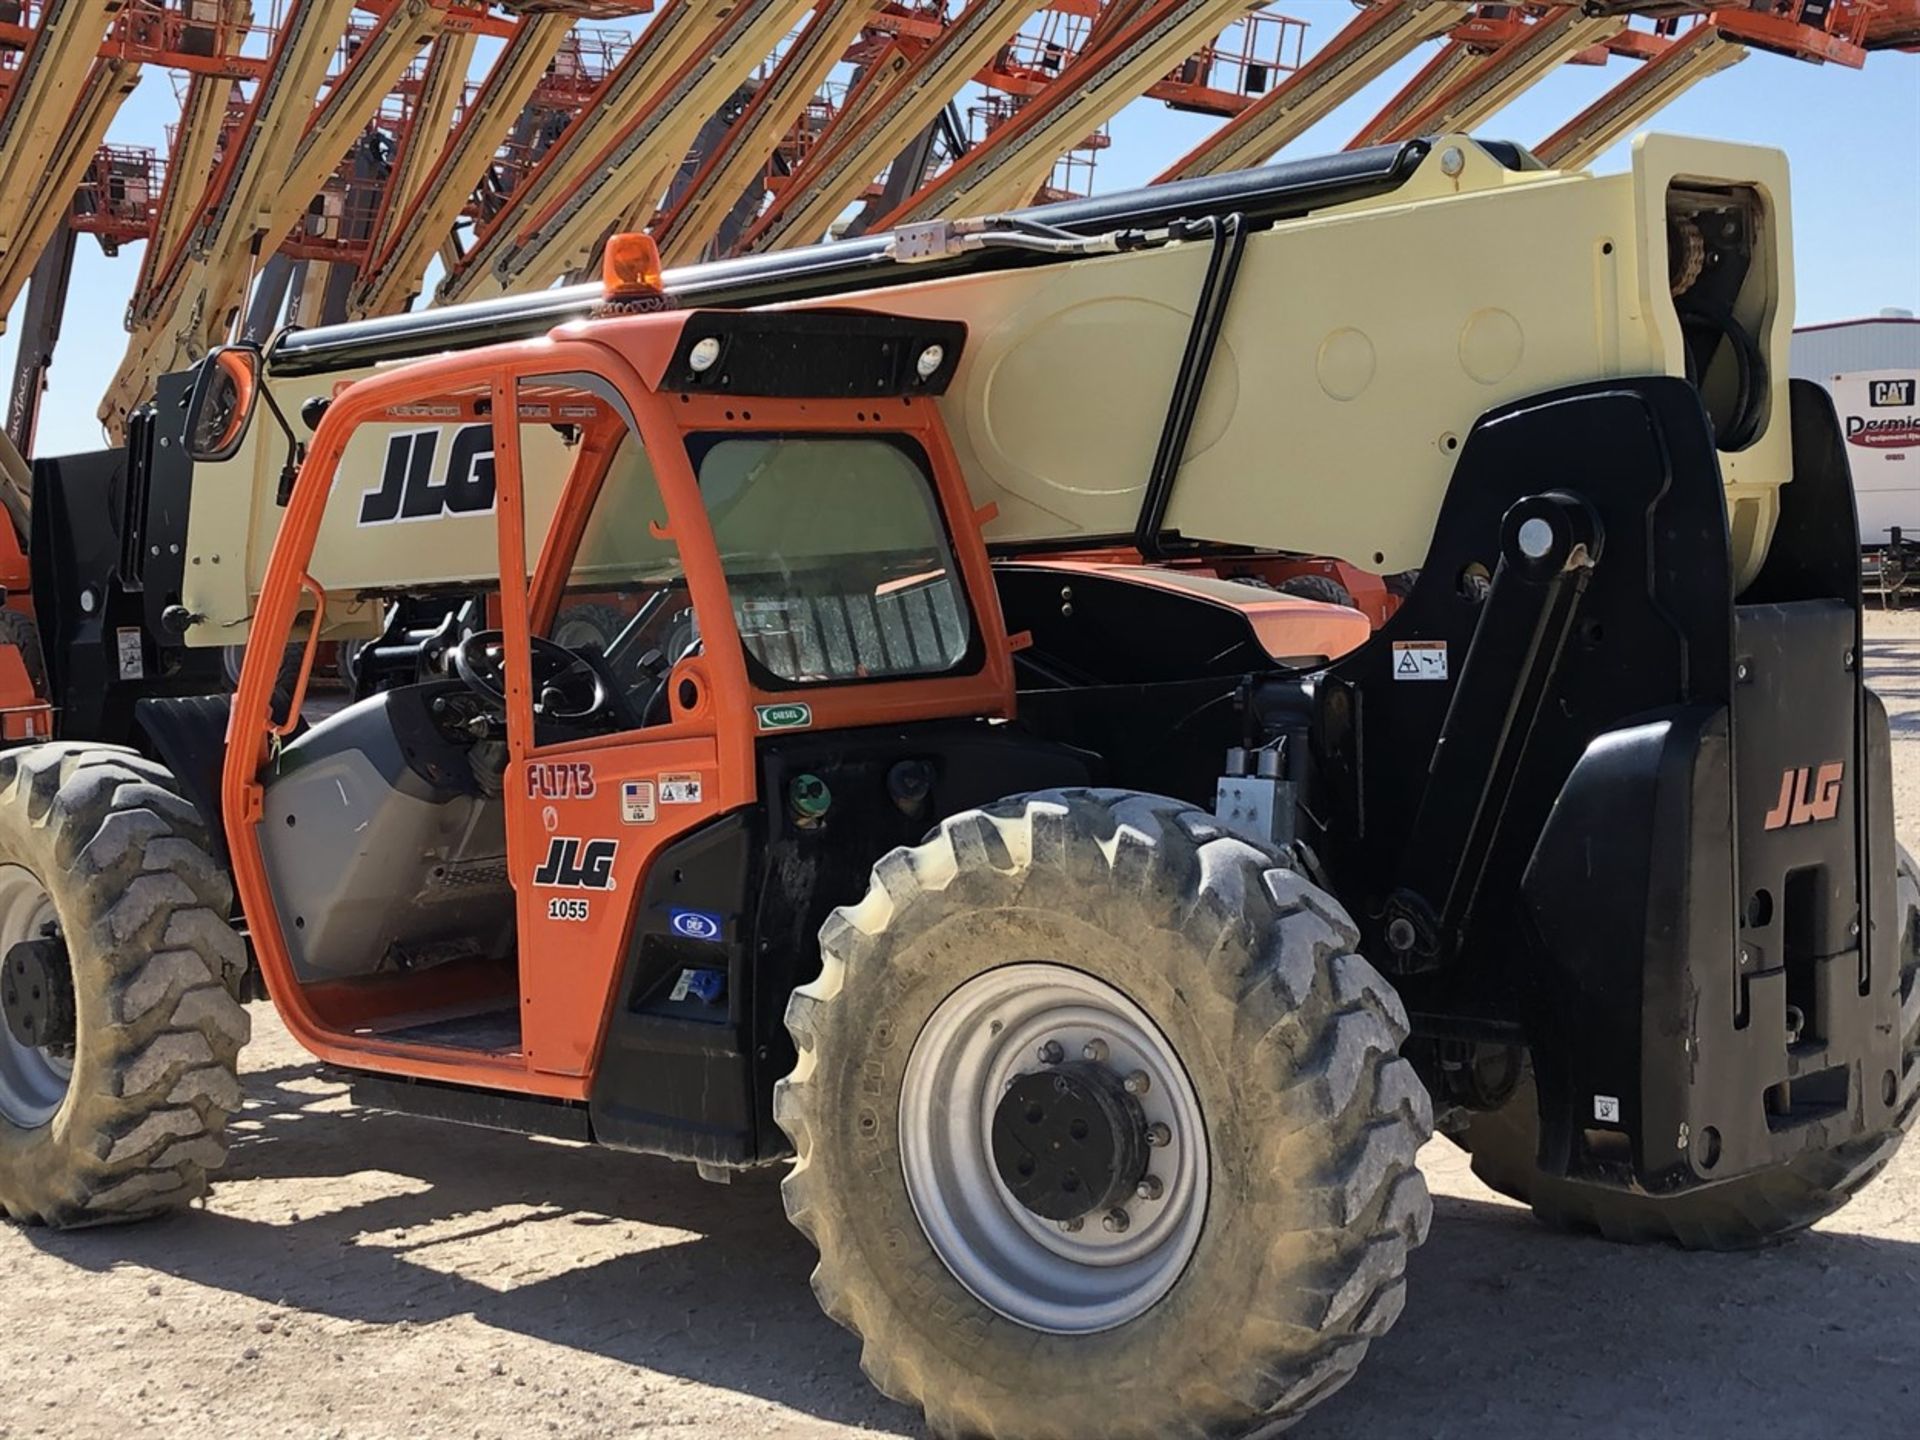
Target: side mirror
(221, 404)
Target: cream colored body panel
(1360, 346)
(229, 540)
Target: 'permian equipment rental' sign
(1880, 417)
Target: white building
(1889, 341)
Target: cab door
(614, 734)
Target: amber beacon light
(631, 267)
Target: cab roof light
(630, 267)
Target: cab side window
(617, 587)
(836, 557)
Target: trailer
(1871, 368)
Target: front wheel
(1102, 1127)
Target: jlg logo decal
(577, 864)
(1807, 795)
(408, 490)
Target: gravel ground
(365, 1275)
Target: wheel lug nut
(1116, 1222)
(1051, 1053)
(1150, 1188)
(1072, 1227)
(1137, 1083)
(1096, 1051)
(1159, 1134)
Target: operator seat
(384, 837)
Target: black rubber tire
(1290, 1040)
(231, 657)
(1738, 1214)
(346, 664)
(124, 860)
(23, 634)
(1324, 588)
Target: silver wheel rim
(33, 1082)
(1037, 1272)
(349, 662)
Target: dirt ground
(364, 1275)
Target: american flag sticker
(636, 802)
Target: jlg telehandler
(1017, 893)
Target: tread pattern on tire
(125, 859)
(1323, 1028)
(1737, 1214)
(606, 621)
(20, 631)
(1324, 588)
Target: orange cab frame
(567, 979)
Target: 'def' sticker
(679, 789)
(1419, 659)
(636, 802)
(696, 924)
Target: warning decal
(1419, 659)
(132, 661)
(679, 789)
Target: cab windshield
(835, 555)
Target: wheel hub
(34, 1073)
(36, 995)
(1070, 1141)
(1042, 1065)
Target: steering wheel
(566, 687)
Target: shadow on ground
(1515, 1331)
(715, 1299)
(1509, 1330)
(1893, 669)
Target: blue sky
(1853, 138)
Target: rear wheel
(232, 657)
(1102, 1127)
(117, 971)
(1735, 1214)
(1324, 588)
(347, 664)
(23, 634)
(589, 626)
